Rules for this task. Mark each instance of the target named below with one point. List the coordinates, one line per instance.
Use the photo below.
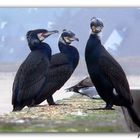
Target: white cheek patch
(71, 39)
(40, 37)
(67, 40)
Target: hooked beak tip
(55, 31)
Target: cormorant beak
(44, 35)
(48, 33)
(74, 38)
(97, 29)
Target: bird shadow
(100, 109)
(60, 105)
(46, 105)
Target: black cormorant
(31, 77)
(62, 66)
(106, 74)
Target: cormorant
(31, 77)
(106, 73)
(62, 66)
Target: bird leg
(50, 100)
(109, 106)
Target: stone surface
(75, 114)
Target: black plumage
(31, 76)
(106, 73)
(62, 66)
(41, 74)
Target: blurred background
(120, 36)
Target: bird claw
(109, 106)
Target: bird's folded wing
(59, 72)
(58, 59)
(116, 75)
(30, 76)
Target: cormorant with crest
(106, 73)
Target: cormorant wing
(58, 59)
(59, 72)
(30, 77)
(115, 74)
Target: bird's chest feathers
(92, 56)
(72, 55)
(92, 59)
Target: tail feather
(134, 115)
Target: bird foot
(108, 108)
(96, 98)
(55, 104)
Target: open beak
(48, 33)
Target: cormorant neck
(71, 53)
(44, 47)
(96, 35)
(99, 35)
(95, 38)
(61, 40)
(63, 47)
(93, 45)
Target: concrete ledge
(136, 96)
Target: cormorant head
(96, 25)
(39, 34)
(67, 37)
